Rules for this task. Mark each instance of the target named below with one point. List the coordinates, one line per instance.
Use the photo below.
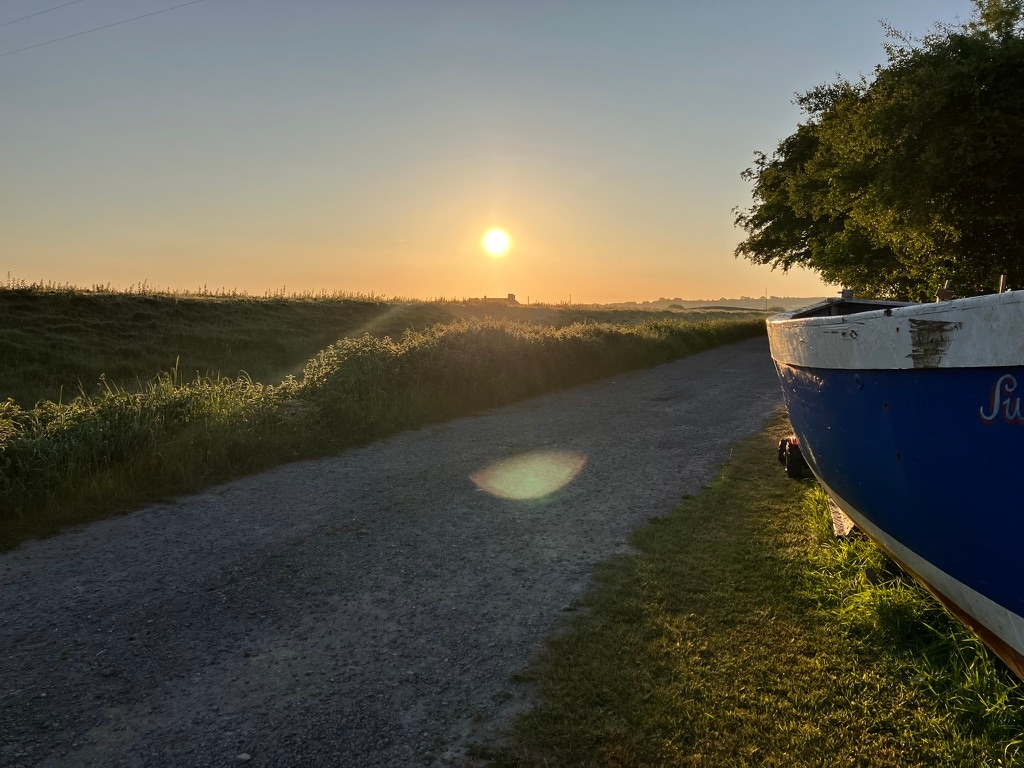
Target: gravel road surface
(362, 610)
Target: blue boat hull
(911, 416)
(901, 447)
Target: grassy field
(56, 343)
(742, 633)
(118, 444)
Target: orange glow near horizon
(575, 256)
(549, 271)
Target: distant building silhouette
(508, 301)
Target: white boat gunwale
(976, 332)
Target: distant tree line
(896, 184)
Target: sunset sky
(367, 146)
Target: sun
(496, 241)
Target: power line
(96, 29)
(39, 13)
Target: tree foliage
(894, 185)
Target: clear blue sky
(366, 146)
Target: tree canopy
(896, 184)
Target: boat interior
(847, 307)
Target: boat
(911, 418)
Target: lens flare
(531, 475)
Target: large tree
(894, 185)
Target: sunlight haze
(368, 146)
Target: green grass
(741, 633)
(106, 451)
(58, 342)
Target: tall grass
(103, 452)
(145, 288)
(882, 609)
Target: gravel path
(361, 610)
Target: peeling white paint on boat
(981, 331)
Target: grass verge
(69, 462)
(741, 633)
